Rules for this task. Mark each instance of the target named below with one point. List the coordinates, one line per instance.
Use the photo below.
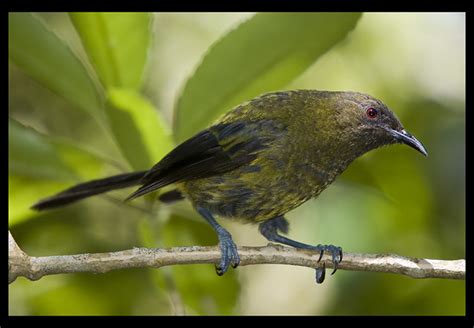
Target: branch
(33, 268)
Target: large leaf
(39, 166)
(141, 134)
(32, 154)
(117, 45)
(24, 192)
(262, 54)
(29, 154)
(43, 56)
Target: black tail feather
(88, 189)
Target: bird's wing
(216, 150)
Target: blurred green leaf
(47, 59)
(113, 293)
(142, 135)
(262, 54)
(117, 45)
(146, 234)
(24, 192)
(35, 155)
(30, 154)
(202, 291)
(40, 165)
(360, 175)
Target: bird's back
(286, 171)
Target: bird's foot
(229, 256)
(269, 229)
(336, 254)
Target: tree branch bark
(33, 268)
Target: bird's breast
(270, 186)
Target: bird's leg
(230, 256)
(269, 229)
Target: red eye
(372, 112)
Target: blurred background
(391, 200)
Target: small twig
(33, 268)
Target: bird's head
(366, 123)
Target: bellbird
(262, 159)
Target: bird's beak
(406, 138)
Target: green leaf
(43, 56)
(24, 192)
(142, 135)
(29, 154)
(35, 155)
(360, 175)
(39, 166)
(263, 54)
(117, 45)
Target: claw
(336, 253)
(219, 270)
(321, 252)
(321, 273)
(336, 257)
(335, 268)
(229, 257)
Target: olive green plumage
(307, 139)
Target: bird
(260, 160)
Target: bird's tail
(88, 189)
